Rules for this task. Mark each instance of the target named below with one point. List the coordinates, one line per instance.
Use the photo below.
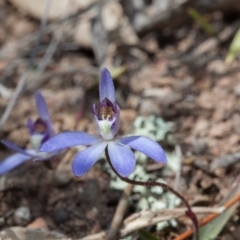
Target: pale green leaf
(146, 235)
(234, 48)
(212, 229)
(196, 16)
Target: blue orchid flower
(107, 116)
(40, 131)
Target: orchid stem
(189, 211)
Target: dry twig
(120, 211)
(178, 173)
(148, 218)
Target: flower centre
(40, 126)
(105, 113)
(106, 110)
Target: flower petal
(106, 87)
(116, 124)
(30, 126)
(122, 158)
(43, 111)
(17, 149)
(147, 146)
(42, 107)
(68, 139)
(86, 158)
(13, 161)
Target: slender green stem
(189, 211)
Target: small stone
(21, 27)
(22, 215)
(217, 66)
(133, 101)
(148, 107)
(235, 122)
(219, 130)
(2, 222)
(201, 127)
(234, 139)
(83, 39)
(165, 96)
(205, 100)
(92, 214)
(62, 177)
(225, 82)
(112, 14)
(199, 146)
(60, 216)
(38, 223)
(185, 83)
(237, 90)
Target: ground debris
(169, 68)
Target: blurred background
(175, 65)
